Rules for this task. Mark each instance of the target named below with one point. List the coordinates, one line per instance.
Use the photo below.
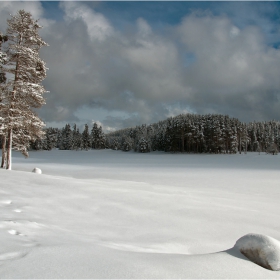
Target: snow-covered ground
(110, 214)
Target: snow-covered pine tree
(115, 143)
(107, 142)
(144, 145)
(37, 145)
(255, 144)
(66, 138)
(3, 79)
(76, 138)
(277, 135)
(95, 136)
(272, 147)
(23, 91)
(217, 138)
(242, 137)
(3, 57)
(48, 142)
(233, 141)
(126, 143)
(50, 138)
(267, 135)
(86, 138)
(60, 138)
(74, 132)
(102, 139)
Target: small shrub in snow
(37, 170)
(260, 249)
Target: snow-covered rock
(37, 170)
(260, 249)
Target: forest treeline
(188, 133)
(193, 133)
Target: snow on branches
(23, 92)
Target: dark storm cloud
(205, 63)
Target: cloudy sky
(128, 63)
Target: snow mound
(37, 170)
(260, 249)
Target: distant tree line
(192, 133)
(188, 133)
(70, 138)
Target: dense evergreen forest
(187, 133)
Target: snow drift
(113, 215)
(260, 249)
(37, 170)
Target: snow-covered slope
(109, 214)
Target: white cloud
(143, 28)
(234, 31)
(97, 25)
(228, 64)
(142, 73)
(8, 8)
(231, 73)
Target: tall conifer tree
(3, 57)
(24, 91)
(86, 138)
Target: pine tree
(115, 143)
(95, 136)
(24, 91)
(50, 138)
(102, 139)
(3, 58)
(272, 147)
(143, 145)
(254, 140)
(86, 139)
(66, 138)
(3, 79)
(76, 138)
(126, 143)
(60, 139)
(243, 138)
(48, 142)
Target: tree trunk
(3, 151)
(9, 150)
(10, 131)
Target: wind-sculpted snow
(92, 215)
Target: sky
(127, 63)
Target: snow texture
(37, 170)
(260, 249)
(106, 214)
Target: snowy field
(110, 214)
